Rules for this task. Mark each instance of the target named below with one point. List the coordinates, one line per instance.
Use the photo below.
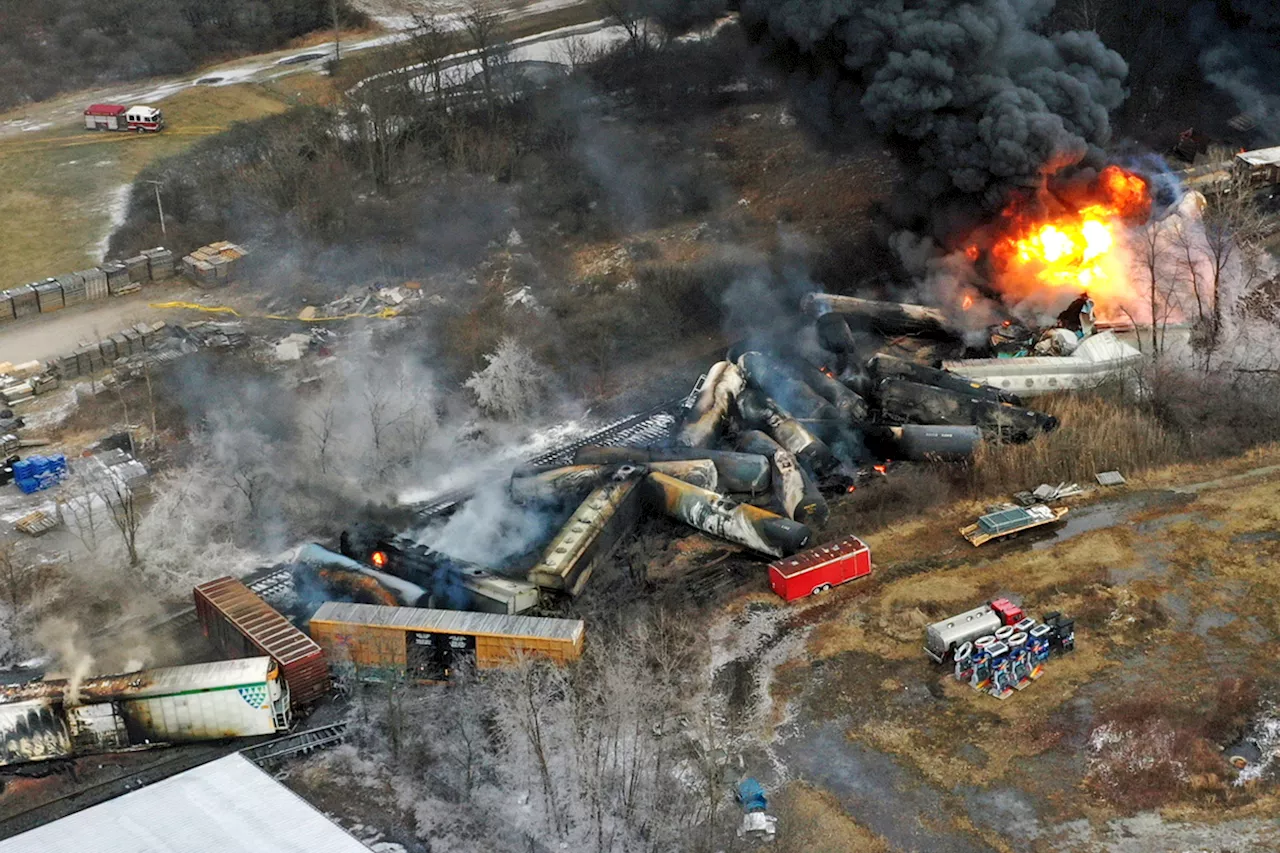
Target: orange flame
(1074, 250)
(379, 559)
(880, 469)
(968, 301)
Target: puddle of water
(1083, 521)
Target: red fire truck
(815, 571)
(119, 117)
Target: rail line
(184, 758)
(645, 428)
(59, 807)
(298, 743)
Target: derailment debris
(1010, 522)
(887, 318)
(607, 514)
(793, 488)
(735, 472)
(749, 526)
(914, 402)
(706, 420)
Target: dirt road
(45, 336)
(68, 109)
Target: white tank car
(941, 638)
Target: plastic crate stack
(39, 472)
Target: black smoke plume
(974, 93)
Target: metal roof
(455, 621)
(1012, 519)
(257, 620)
(225, 806)
(105, 110)
(149, 682)
(814, 557)
(1261, 156)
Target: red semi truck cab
(815, 571)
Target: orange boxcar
(381, 643)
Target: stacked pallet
(90, 358)
(111, 279)
(213, 264)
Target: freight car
(454, 584)
(240, 624)
(385, 643)
(48, 719)
(607, 515)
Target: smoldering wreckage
(762, 440)
(854, 389)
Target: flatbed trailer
(1007, 522)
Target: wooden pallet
(36, 523)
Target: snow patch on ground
(116, 206)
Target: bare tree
(320, 425)
(1233, 227)
(482, 24)
(429, 46)
(1152, 255)
(635, 18)
(20, 584)
(252, 479)
(527, 693)
(120, 499)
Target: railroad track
(181, 759)
(651, 426)
(298, 743)
(59, 807)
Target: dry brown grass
(1098, 433)
(813, 821)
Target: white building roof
(225, 806)
(1261, 156)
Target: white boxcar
(206, 701)
(233, 698)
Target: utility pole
(160, 207)
(337, 39)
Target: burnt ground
(1115, 748)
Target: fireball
(1048, 256)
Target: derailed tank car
(382, 643)
(208, 701)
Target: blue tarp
(751, 796)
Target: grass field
(59, 188)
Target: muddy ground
(1115, 748)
